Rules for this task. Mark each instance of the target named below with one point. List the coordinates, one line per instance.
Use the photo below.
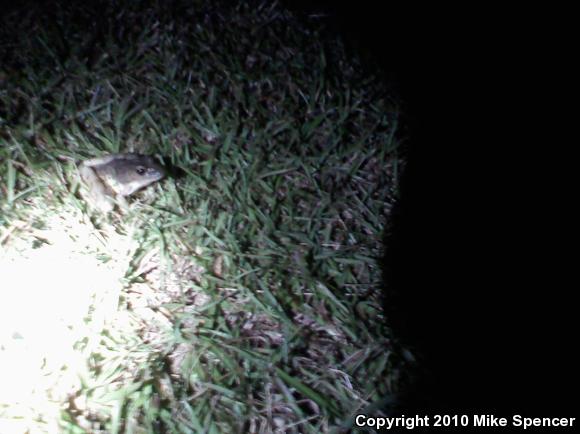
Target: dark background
(479, 271)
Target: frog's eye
(141, 170)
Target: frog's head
(136, 172)
(152, 172)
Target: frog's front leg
(97, 194)
(122, 202)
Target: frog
(113, 177)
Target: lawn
(244, 292)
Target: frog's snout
(155, 172)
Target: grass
(250, 295)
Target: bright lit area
(60, 293)
(82, 315)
